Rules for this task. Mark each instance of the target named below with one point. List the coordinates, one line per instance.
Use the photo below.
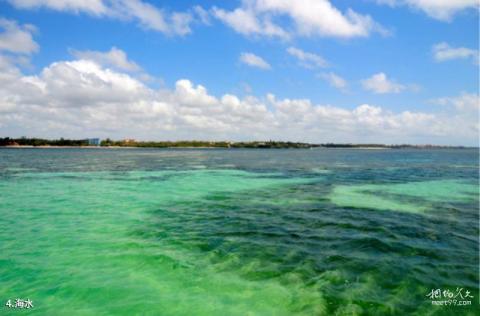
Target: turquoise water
(237, 232)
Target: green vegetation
(399, 146)
(205, 144)
(24, 141)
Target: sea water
(238, 232)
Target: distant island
(96, 142)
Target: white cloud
(437, 9)
(116, 58)
(81, 98)
(334, 80)
(17, 38)
(96, 7)
(306, 59)
(146, 14)
(181, 23)
(254, 61)
(444, 52)
(380, 84)
(202, 14)
(465, 102)
(246, 22)
(307, 17)
(149, 16)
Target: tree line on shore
(24, 141)
(37, 142)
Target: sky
(364, 71)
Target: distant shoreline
(233, 148)
(33, 142)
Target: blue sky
(344, 71)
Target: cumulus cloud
(334, 80)
(306, 59)
(254, 61)
(307, 18)
(146, 14)
(444, 52)
(437, 9)
(81, 98)
(380, 84)
(114, 57)
(16, 38)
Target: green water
(218, 232)
(407, 197)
